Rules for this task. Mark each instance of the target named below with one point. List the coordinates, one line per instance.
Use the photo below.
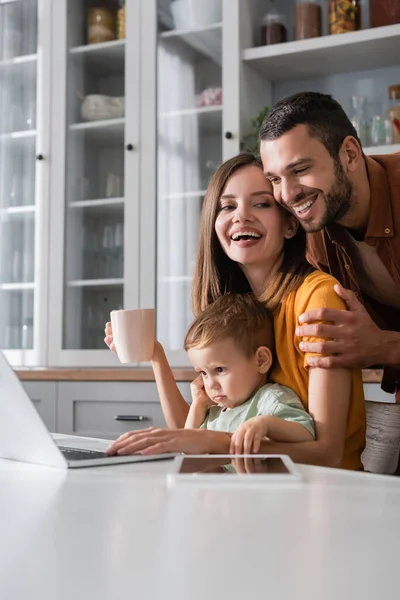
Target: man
(350, 206)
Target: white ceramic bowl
(96, 107)
(189, 14)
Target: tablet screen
(250, 465)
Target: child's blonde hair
(240, 317)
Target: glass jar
(100, 25)
(273, 27)
(344, 16)
(121, 17)
(359, 119)
(308, 19)
(384, 12)
(394, 111)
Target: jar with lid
(273, 27)
(100, 25)
(384, 12)
(308, 19)
(394, 111)
(344, 16)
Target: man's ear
(291, 227)
(264, 359)
(350, 154)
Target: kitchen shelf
(18, 135)
(18, 210)
(98, 202)
(16, 287)
(369, 49)
(205, 40)
(179, 195)
(18, 60)
(389, 149)
(107, 56)
(209, 117)
(105, 131)
(80, 283)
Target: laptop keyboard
(78, 454)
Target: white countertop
(119, 532)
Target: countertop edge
(98, 374)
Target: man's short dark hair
(323, 116)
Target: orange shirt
(291, 368)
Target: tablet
(234, 468)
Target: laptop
(24, 436)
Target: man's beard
(338, 201)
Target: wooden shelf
(322, 56)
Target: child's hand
(109, 339)
(198, 392)
(247, 438)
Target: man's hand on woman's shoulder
(355, 341)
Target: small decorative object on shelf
(394, 111)
(250, 142)
(121, 17)
(384, 12)
(273, 27)
(308, 19)
(344, 16)
(359, 119)
(100, 25)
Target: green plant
(250, 141)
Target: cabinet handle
(131, 418)
(130, 147)
(39, 157)
(228, 135)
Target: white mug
(134, 334)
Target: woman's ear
(264, 359)
(291, 227)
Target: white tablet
(231, 468)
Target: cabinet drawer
(90, 408)
(44, 396)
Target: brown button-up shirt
(371, 269)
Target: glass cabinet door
(97, 156)
(189, 149)
(22, 197)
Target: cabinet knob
(39, 157)
(129, 147)
(228, 135)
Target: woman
(249, 243)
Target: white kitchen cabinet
(108, 409)
(44, 396)
(95, 181)
(115, 211)
(25, 50)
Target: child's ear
(264, 359)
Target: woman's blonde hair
(216, 274)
